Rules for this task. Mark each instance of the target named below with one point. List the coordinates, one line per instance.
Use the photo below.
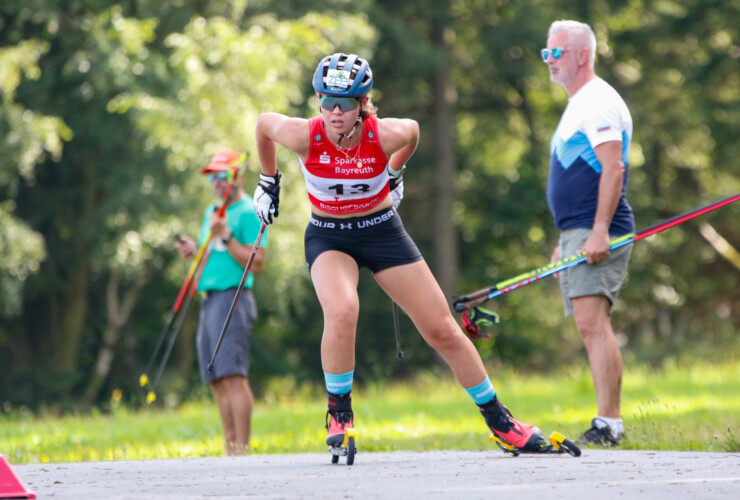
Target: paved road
(600, 474)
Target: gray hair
(581, 32)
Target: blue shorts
(376, 241)
(233, 355)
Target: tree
(107, 206)
(109, 108)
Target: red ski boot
(340, 434)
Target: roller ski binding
(340, 429)
(515, 438)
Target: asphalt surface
(601, 474)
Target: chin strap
(351, 132)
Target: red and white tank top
(344, 183)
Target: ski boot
(514, 437)
(340, 436)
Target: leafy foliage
(109, 109)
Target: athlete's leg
(335, 276)
(415, 290)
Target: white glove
(395, 183)
(267, 197)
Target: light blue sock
(482, 393)
(339, 384)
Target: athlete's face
(340, 113)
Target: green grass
(682, 406)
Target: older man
(586, 195)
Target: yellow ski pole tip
(143, 380)
(150, 397)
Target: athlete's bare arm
(399, 138)
(274, 128)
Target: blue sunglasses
(344, 103)
(222, 176)
(555, 52)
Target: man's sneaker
(502, 424)
(600, 434)
(339, 417)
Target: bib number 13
(341, 189)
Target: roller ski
(515, 438)
(558, 444)
(340, 436)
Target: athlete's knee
(443, 334)
(342, 312)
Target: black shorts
(376, 241)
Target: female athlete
(352, 162)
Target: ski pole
(239, 289)
(152, 394)
(397, 330)
(181, 296)
(144, 377)
(478, 297)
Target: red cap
(223, 160)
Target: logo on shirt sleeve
(603, 129)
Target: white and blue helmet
(343, 75)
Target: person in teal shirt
(230, 246)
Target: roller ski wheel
(563, 445)
(348, 448)
(557, 445)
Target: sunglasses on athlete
(555, 52)
(344, 103)
(222, 176)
